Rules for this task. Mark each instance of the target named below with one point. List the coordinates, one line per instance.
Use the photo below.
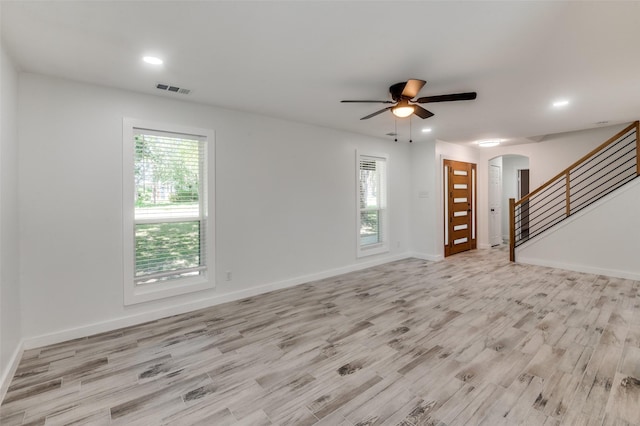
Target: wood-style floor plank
(471, 340)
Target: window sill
(372, 249)
(150, 292)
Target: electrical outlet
(228, 275)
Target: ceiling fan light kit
(403, 109)
(403, 94)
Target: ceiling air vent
(174, 89)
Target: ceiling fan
(403, 94)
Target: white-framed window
(168, 223)
(372, 218)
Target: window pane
(168, 171)
(369, 185)
(167, 176)
(370, 227)
(162, 247)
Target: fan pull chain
(410, 138)
(395, 123)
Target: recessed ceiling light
(426, 130)
(488, 143)
(152, 60)
(561, 103)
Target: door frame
(473, 204)
(493, 196)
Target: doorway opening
(508, 178)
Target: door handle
(493, 210)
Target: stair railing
(600, 172)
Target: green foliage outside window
(168, 227)
(166, 173)
(167, 246)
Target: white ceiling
(296, 60)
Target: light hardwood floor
(470, 340)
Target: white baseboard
(579, 268)
(425, 256)
(127, 321)
(8, 373)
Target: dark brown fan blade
(412, 88)
(369, 102)
(446, 98)
(421, 112)
(376, 113)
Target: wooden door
(460, 206)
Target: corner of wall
(10, 300)
(10, 370)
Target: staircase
(600, 172)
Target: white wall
(602, 239)
(557, 152)
(285, 203)
(424, 200)
(10, 327)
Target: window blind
(372, 200)
(170, 217)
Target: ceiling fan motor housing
(396, 91)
